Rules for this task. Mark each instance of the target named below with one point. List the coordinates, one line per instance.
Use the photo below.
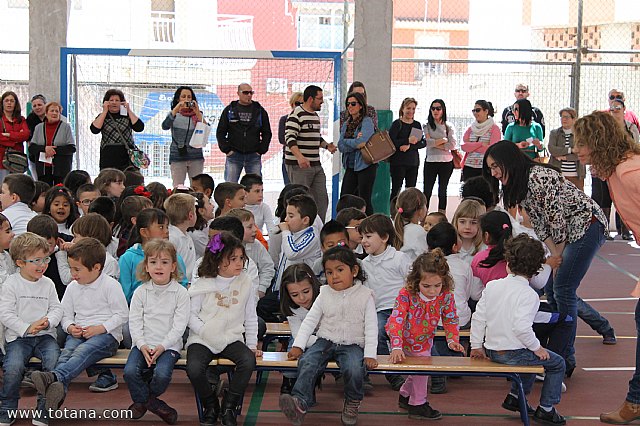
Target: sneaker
(27, 383)
(609, 237)
(395, 380)
(564, 388)
(350, 412)
(424, 411)
(438, 385)
(104, 383)
(42, 380)
(627, 236)
(367, 386)
(540, 377)
(162, 410)
(403, 402)
(512, 403)
(54, 396)
(548, 417)
(609, 338)
(294, 408)
(5, 420)
(137, 410)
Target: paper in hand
(43, 158)
(416, 132)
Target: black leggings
(360, 183)
(399, 174)
(441, 171)
(470, 172)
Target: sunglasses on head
(298, 103)
(521, 90)
(352, 103)
(614, 97)
(247, 92)
(436, 108)
(476, 110)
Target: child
(411, 209)
(17, 193)
(254, 198)
(351, 219)
(350, 200)
(229, 195)
(7, 266)
(150, 224)
(159, 194)
(433, 219)
(76, 178)
(159, 315)
(106, 208)
(426, 299)
(94, 324)
(30, 311)
(466, 220)
(85, 195)
(223, 323)
(181, 210)
(59, 204)
(199, 233)
(203, 183)
(332, 234)
(132, 177)
(255, 250)
(345, 320)
(386, 270)
(299, 290)
(129, 209)
(110, 182)
(502, 326)
(37, 204)
(489, 264)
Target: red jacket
(18, 134)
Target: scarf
(480, 129)
(189, 112)
(352, 126)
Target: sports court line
(600, 337)
(609, 368)
(610, 299)
(617, 268)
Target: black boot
(287, 385)
(210, 413)
(230, 404)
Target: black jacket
(253, 136)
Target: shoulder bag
(14, 160)
(137, 156)
(379, 147)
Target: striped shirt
(569, 168)
(303, 130)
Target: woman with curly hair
(615, 158)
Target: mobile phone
(189, 104)
(123, 110)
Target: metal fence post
(575, 86)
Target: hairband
(505, 226)
(59, 185)
(141, 190)
(400, 210)
(215, 245)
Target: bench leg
(198, 405)
(522, 398)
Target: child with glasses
(30, 311)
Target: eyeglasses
(38, 261)
(614, 97)
(436, 108)
(521, 90)
(87, 202)
(516, 109)
(298, 103)
(615, 108)
(247, 92)
(352, 103)
(476, 110)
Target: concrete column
(372, 49)
(47, 34)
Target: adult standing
(630, 116)
(508, 116)
(294, 101)
(52, 142)
(358, 87)
(35, 117)
(441, 139)
(359, 176)
(561, 148)
(243, 134)
(303, 134)
(185, 114)
(14, 129)
(618, 162)
(406, 134)
(116, 123)
(567, 220)
(524, 132)
(475, 141)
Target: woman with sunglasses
(524, 132)
(406, 134)
(441, 139)
(294, 101)
(359, 176)
(478, 137)
(358, 87)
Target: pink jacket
(624, 187)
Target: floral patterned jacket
(557, 208)
(414, 321)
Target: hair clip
(400, 210)
(215, 244)
(59, 185)
(341, 244)
(505, 226)
(141, 190)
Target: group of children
(181, 266)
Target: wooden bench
(430, 366)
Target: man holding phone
(243, 134)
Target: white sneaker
(540, 377)
(564, 388)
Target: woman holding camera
(182, 119)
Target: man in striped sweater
(303, 138)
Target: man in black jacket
(521, 92)
(243, 134)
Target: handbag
(14, 160)
(379, 147)
(137, 156)
(200, 135)
(457, 159)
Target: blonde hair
(609, 143)
(410, 201)
(178, 207)
(294, 97)
(26, 244)
(470, 209)
(155, 247)
(433, 262)
(405, 102)
(243, 214)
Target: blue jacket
(349, 146)
(129, 262)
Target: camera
(189, 104)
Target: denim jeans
(285, 176)
(314, 360)
(633, 395)
(553, 369)
(18, 353)
(136, 368)
(593, 318)
(80, 353)
(251, 162)
(383, 337)
(561, 292)
(199, 357)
